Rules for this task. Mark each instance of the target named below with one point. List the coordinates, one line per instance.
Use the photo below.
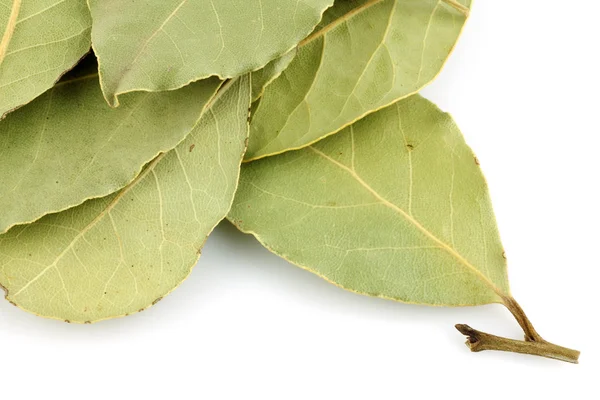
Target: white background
(523, 85)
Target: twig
(479, 341)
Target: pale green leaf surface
(162, 45)
(393, 206)
(68, 145)
(371, 54)
(264, 76)
(119, 254)
(39, 41)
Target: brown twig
(479, 341)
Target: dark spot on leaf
(156, 301)
(87, 322)
(192, 147)
(504, 255)
(476, 160)
(410, 147)
(67, 321)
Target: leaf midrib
(10, 29)
(463, 261)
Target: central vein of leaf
(10, 28)
(463, 261)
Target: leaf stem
(480, 341)
(515, 309)
(456, 5)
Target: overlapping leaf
(161, 45)
(393, 206)
(118, 254)
(366, 55)
(39, 41)
(68, 145)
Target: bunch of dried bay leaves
(131, 129)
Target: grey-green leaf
(39, 41)
(162, 45)
(371, 54)
(119, 254)
(68, 145)
(393, 206)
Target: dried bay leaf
(150, 45)
(39, 41)
(393, 206)
(365, 55)
(68, 145)
(119, 254)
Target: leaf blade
(393, 206)
(371, 54)
(165, 45)
(29, 64)
(68, 146)
(120, 254)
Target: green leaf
(264, 76)
(393, 206)
(366, 58)
(39, 41)
(163, 45)
(68, 145)
(119, 254)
